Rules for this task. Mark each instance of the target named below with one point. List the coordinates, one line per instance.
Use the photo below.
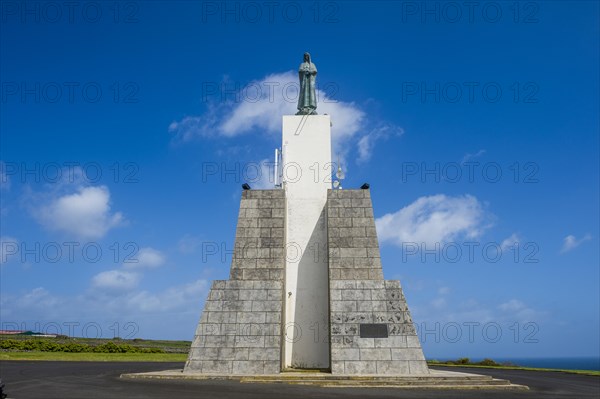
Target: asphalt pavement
(93, 380)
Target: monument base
(435, 379)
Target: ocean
(567, 363)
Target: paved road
(92, 380)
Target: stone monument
(306, 288)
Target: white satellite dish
(339, 174)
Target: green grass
(581, 372)
(95, 357)
(175, 351)
(168, 346)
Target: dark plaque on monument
(373, 331)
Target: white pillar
(307, 170)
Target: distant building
(26, 332)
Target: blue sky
(127, 131)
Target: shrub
(50, 346)
(488, 362)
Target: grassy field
(167, 346)
(174, 351)
(94, 357)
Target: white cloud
(440, 309)
(365, 148)
(192, 127)
(115, 280)
(367, 142)
(264, 113)
(518, 311)
(35, 304)
(177, 297)
(40, 298)
(438, 303)
(570, 242)
(188, 244)
(511, 306)
(434, 219)
(260, 107)
(171, 312)
(469, 156)
(85, 214)
(9, 247)
(146, 258)
(509, 242)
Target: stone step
(428, 386)
(299, 376)
(435, 380)
(330, 380)
(390, 384)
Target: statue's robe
(307, 100)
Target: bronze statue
(307, 99)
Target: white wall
(307, 176)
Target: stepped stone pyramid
(361, 300)
(370, 331)
(306, 301)
(240, 329)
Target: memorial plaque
(373, 331)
